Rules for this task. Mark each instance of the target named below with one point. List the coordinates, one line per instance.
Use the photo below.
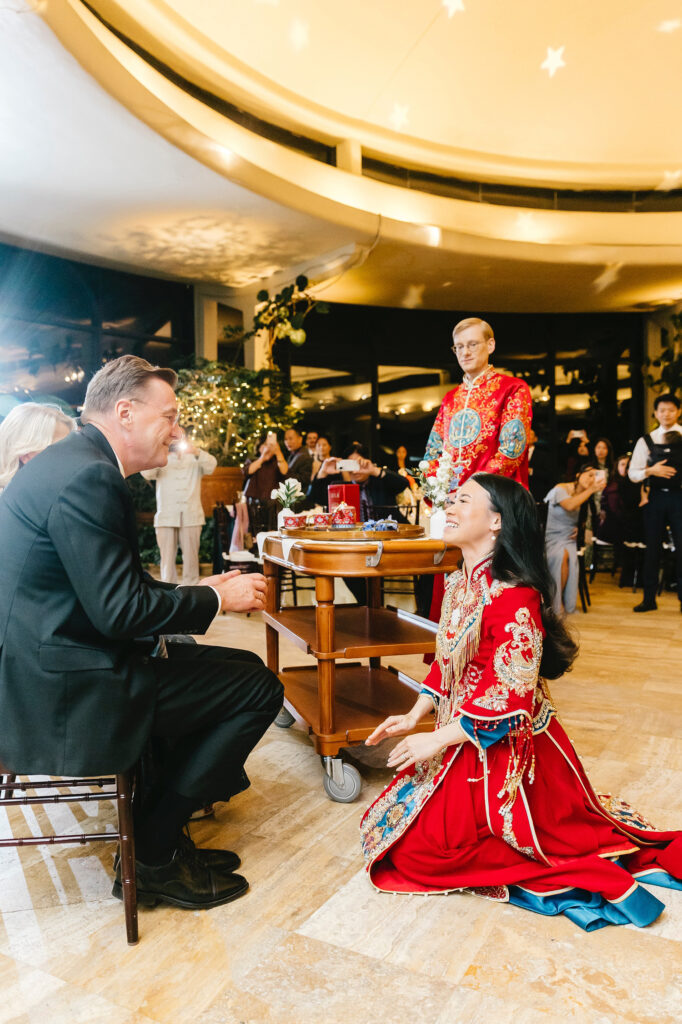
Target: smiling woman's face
(469, 518)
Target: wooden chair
(583, 587)
(404, 514)
(263, 517)
(604, 556)
(118, 788)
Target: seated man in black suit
(79, 693)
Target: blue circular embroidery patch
(465, 426)
(512, 439)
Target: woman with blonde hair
(27, 430)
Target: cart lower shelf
(363, 697)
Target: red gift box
(348, 493)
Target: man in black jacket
(79, 693)
(299, 459)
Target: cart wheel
(284, 719)
(349, 791)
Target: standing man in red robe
(484, 423)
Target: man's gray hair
(125, 377)
(473, 321)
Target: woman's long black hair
(519, 558)
(610, 457)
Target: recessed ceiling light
(671, 180)
(433, 234)
(399, 116)
(299, 34)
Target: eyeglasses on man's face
(468, 346)
(172, 417)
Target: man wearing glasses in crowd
(484, 423)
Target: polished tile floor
(312, 943)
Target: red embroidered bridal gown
(511, 815)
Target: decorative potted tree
(225, 410)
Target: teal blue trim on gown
(590, 910)
(484, 737)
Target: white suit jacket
(178, 488)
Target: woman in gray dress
(563, 512)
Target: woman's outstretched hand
(419, 747)
(395, 725)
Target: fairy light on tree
(225, 408)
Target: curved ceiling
(117, 160)
(553, 82)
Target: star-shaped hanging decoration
(399, 116)
(671, 180)
(670, 26)
(553, 61)
(452, 6)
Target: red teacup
(295, 522)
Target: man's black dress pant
(213, 705)
(664, 508)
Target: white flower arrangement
(437, 479)
(288, 492)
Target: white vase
(280, 517)
(437, 524)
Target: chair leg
(583, 589)
(7, 790)
(124, 804)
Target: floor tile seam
(370, 961)
(67, 983)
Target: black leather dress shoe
(185, 881)
(223, 860)
(645, 606)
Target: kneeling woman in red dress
(495, 799)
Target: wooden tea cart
(340, 700)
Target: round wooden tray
(405, 531)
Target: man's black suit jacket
(76, 696)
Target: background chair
(404, 514)
(118, 788)
(263, 517)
